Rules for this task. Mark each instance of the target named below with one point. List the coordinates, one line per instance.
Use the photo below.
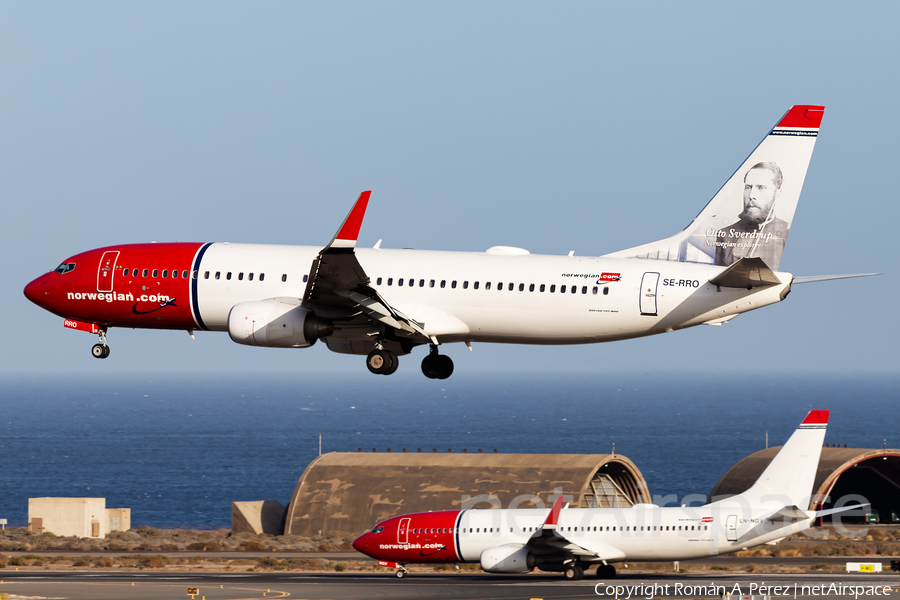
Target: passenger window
(412, 282)
(531, 288)
(487, 285)
(194, 274)
(421, 283)
(125, 272)
(174, 273)
(500, 286)
(552, 288)
(155, 273)
(475, 285)
(390, 281)
(453, 284)
(431, 283)
(521, 287)
(206, 275)
(400, 282)
(284, 277)
(240, 276)
(250, 277)
(542, 287)
(378, 281)
(218, 274)
(184, 274)
(165, 273)
(511, 286)
(595, 290)
(584, 289)
(562, 289)
(262, 276)
(465, 285)
(228, 275)
(606, 291)
(574, 289)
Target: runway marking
(264, 593)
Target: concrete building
(344, 493)
(260, 516)
(854, 474)
(80, 517)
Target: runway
(138, 585)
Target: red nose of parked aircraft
(361, 543)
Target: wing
(550, 541)
(337, 280)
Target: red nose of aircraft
(37, 290)
(361, 544)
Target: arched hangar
(845, 476)
(344, 493)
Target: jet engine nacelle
(277, 323)
(507, 559)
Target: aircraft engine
(507, 559)
(276, 323)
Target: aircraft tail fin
(790, 476)
(751, 214)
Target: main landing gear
(437, 366)
(606, 572)
(101, 350)
(382, 362)
(573, 573)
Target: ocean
(179, 449)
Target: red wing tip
(816, 417)
(553, 517)
(353, 222)
(807, 116)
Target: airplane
(383, 303)
(571, 540)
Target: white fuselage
(466, 296)
(644, 532)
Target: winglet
(816, 417)
(349, 230)
(553, 517)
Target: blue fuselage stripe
(195, 302)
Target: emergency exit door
(402, 531)
(106, 270)
(649, 283)
(731, 528)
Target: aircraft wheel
(573, 573)
(606, 572)
(99, 351)
(445, 366)
(431, 366)
(401, 574)
(379, 362)
(105, 351)
(395, 363)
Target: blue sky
(590, 126)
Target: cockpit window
(377, 529)
(65, 268)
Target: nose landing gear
(437, 366)
(101, 350)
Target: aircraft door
(731, 528)
(106, 270)
(402, 531)
(649, 283)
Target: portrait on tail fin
(758, 232)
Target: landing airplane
(383, 303)
(574, 539)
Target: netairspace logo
(650, 591)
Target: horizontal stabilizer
(815, 278)
(746, 273)
(831, 511)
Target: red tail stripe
(816, 417)
(806, 116)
